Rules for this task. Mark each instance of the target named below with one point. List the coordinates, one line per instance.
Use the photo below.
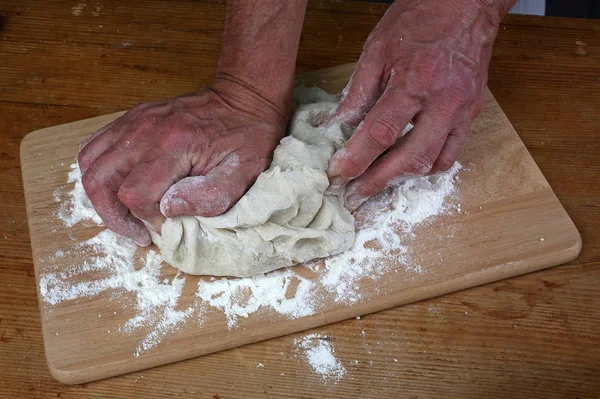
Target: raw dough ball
(285, 218)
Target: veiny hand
(426, 62)
(193, 155)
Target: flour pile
(321, 356)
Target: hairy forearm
(260, 45)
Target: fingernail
(336, 184)
(156, 224)
(339, 181)
(143, 243)
(143, 240)
(353, 201)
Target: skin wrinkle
(425, 61)
(259, 111)
(161, 146)
(246, 103)
(442, 64)
(215, 190)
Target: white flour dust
(286, 293)
(377, 240)
(320, 356)
(77, 207)
(240, 297)
(115, 257)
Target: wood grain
(511, 223)
(536, 335)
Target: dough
(285, 218)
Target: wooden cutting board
(510, 223)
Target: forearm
(260, 45)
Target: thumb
(209, 195)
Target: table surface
(535, 335)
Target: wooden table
(536, 335)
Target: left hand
(426, 62)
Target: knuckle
(382, 134)
(462, 91)
(443, 164)
(91, 183)
(133, 111)
(418, 164)
(373, 42)
(132, 199)
(477, 107)
(368, 188)
(138, 108)
(347, 165)
(83, 159)
(459, 96)
(146, 120)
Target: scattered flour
(240, 297)
(321, 356)
(285, 293)
(155, 302)
(400, 208)
(78, 206)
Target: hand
(193, 155)
(426, 62)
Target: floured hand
(426, 62)
(193, 155)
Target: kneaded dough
(285, 218)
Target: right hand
(193, 155)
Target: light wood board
(511, 223)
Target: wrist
(495, 10)
(251, 96)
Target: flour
(77, 207)
(321, 356)
(283, 292)
(115, 257)
(399, 208)
(241, 297)
(155, 299)
(106, 264)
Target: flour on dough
(285, 218)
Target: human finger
(383, 125)
(413, 155)
(100, 142)
(101, 183)
(149, 179)
(210, 195)
(450, 151)
(96, 134)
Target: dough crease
(285, 218)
